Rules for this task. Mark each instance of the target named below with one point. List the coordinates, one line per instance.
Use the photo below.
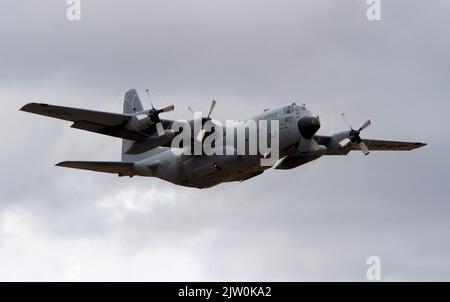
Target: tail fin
(131, 104)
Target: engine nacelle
(333, 145)
(150, 143)
(291, 162)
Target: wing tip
(26, 107)
(419, 145)
(30, 106)
(66, 164)
(61, 164)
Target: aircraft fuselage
(203, 171)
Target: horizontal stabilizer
(120, 168)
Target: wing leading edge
(382, 145)
(372, 144)
(112, 124)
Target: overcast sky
(317, 222)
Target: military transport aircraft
(147, 149)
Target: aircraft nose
(308, 126)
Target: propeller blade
(149, 98)
(364, 148)
(190, 110)
(167, 109)
(201, 135)
(344, 142)
(160, 129)
(345, 120)
(364, 126)
(213, 104)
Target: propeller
(153, 115)
(213, 105)
(354, 137)
(202, 132)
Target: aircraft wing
(112, 124)
(381, 145)
(372, 144)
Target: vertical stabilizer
(131, 104)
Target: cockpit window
(298, 108)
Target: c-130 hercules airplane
(147, 149)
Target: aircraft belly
(208, 171)
(166, 166)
